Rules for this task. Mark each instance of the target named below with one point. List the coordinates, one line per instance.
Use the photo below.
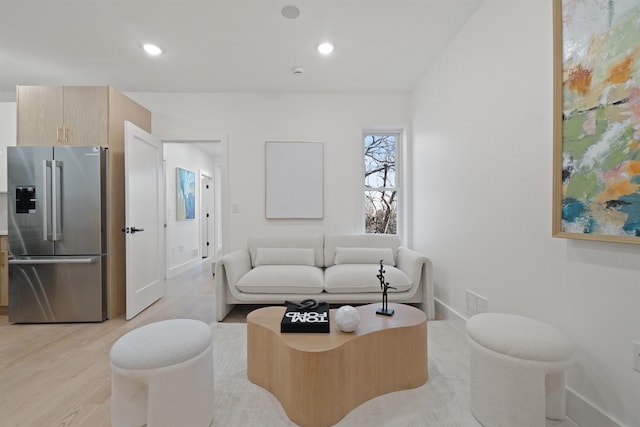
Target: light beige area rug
(443, 401)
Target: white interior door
(144, 205)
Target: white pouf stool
(517, 368)
(162, 375)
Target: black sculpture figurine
(385, 310)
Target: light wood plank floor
(58, 375)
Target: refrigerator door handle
(56, 214)
(46, 164)
(89, 260)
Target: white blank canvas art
(294, 180)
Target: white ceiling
(225, 45)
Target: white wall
(251, 119)
(482, 132)
(183, 237)
(7, 138)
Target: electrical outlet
(476, 304)
(482, 305)
(636, 355)
(235, 208)
(471, 303)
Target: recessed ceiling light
(325, 48)
(152, 49)
(290, 12)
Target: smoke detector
(290, 12)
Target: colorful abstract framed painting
(596, 188)
(185, 194)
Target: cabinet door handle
(58, 133)
(66, 134)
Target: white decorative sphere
(347, 318)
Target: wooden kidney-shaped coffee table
(319, 378)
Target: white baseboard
(585, 414)
(445, 312)
(579, 410)
(174, 271)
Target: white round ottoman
(517, 370)
(162, 375)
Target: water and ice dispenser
(26, 199)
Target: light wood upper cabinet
(39, 114)
(57, 115)
(85, 115)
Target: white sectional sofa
(336, 268)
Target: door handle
(46, 164)
(56, 204)
(132, 230)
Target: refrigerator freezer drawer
(54, 290)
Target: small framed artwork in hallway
(185, 194)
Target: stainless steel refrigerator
(57, 234)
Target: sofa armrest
(419, 268)
(229, 269)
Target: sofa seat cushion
(282, 279)
(359, 278)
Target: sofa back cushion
(287, 242)
(364, 256)
(285, 256)
(333, 241)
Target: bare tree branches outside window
(380, 182)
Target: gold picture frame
(596, 156)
